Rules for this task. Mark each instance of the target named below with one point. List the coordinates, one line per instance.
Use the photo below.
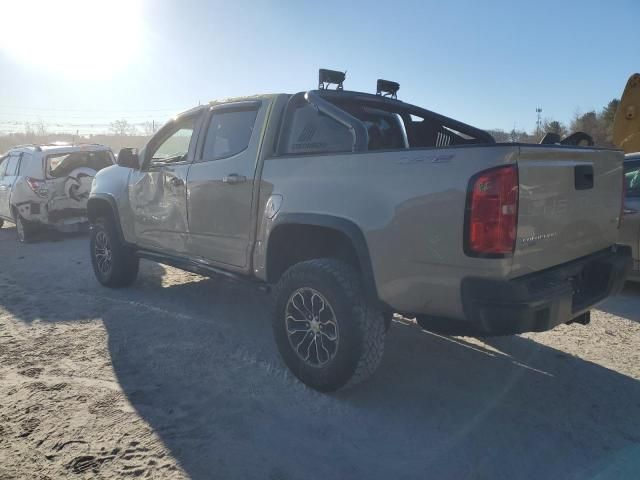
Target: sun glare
(77, 37)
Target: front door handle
(234, 179)
(176, 182)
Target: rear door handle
(234, 179)
(176, 182)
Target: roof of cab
(248, 98)
(213, 103)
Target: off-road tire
(124, 263)
(25, 230)
(361, 326)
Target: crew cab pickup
(356, 206)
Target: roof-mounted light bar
(328, 77)
(387, 88)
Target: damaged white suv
(48, 185)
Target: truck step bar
(202, 268)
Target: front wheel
(327, 333)
(114, 263)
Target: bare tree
(500, 135)
(40, 128)
(149, 128)
(122, 128)
(606, 118)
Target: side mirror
(128, 157)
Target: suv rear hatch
(569, 204)
(69, 177)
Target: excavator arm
(626, 123)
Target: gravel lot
(178, 377)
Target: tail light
(38, 186)
(492, 213)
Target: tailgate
(569, 204)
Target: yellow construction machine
(626, 123)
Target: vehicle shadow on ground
(44, 235)
(198, 363)
(626, 303)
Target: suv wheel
(114, 263)
(326, 332)
(24, 229)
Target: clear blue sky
(488, 63)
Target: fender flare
(344, 226)
(103, 198)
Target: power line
(64, 124)
(89, 110)
(36, 117)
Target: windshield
(62, 164)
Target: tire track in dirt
(47, 421)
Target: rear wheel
(114, 263)
(25, 230)
(327, 333)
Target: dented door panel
(158, 202)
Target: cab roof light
(387, 88)
(329, 77)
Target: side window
(632, 179)
(310, 131)
(26, 160)
(229, 133)
(3, 165)
(12, 165)
(174, 145)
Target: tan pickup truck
(355, 206)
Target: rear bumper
(543, 300)
(62, 219)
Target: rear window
(62, 164)
(386, 130)
(310, 131)
(632, 179)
